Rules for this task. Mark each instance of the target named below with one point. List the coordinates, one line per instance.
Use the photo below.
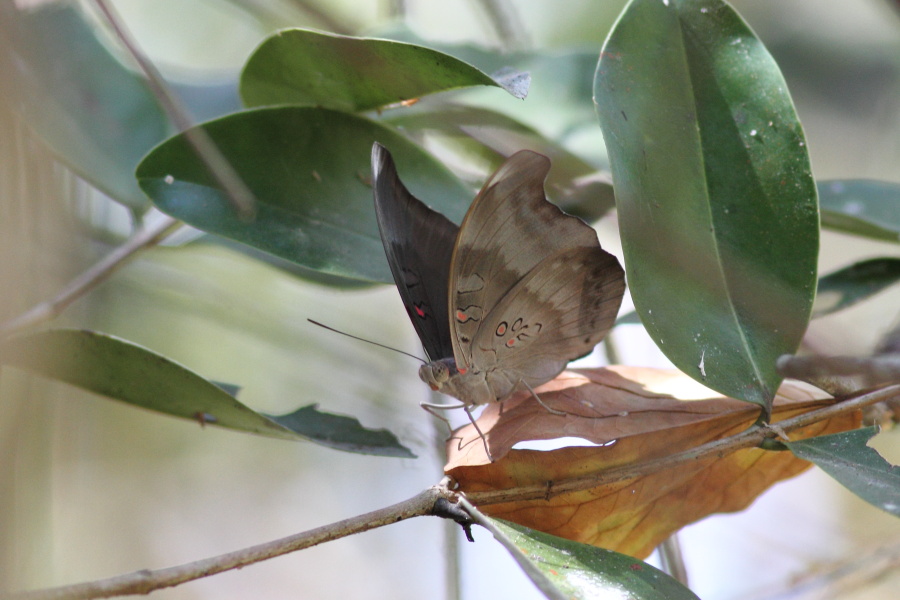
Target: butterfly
(507, 299)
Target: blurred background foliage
(91, 488)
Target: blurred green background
(90, 488)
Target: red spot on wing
(462, 370)
(510, 342)
(419, 311)
(461, 316)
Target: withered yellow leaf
(639, 414)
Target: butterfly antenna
(365, 340)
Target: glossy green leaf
(124, 371)
(846, 457)
(298, 66)
(584, 572)
(96, 115)
(863, 207)
(716, 201)
(309, 169)
(855, 283)
(573, 184)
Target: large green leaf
(124, 371)
(96, 115)
(863, 207)
(309, 169)
(845, 287)
(298, 66)
(716, 200)
(581, 571)
(846, 457)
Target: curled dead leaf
(634, 415)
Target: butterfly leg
(432, 409)
(487, 450)
(552, 411)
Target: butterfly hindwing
(418, 243)
(558, 312)
(509, 230)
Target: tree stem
(146, 581)
(88, 280)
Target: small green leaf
(298, 66)
(309, 169)
(715, 196)
(97, 116)
(341, 433)
(846, 457)
(629, 318)
(583, 571)
(863, 207)
(124, 371)
(855, 283)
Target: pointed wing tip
(380, 157)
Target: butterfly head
(436, 373)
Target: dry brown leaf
(648, 414)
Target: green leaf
(118, 369)
(583, 571)
(309, 169)
(97, 116)
(716, 201)
(855, 283)
(283, 264)
(341, 433)
(846, 457)
(298, 66)
(863, 207)
(573, 184)
(559, 98)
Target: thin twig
(506, 23)
(750, 438)
(842, 579)
(91, 278)
(146, 581)
(534, 574)
(883, 367)
(240, 196)
(672, 559)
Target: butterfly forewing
(418, 243)
(509, 229)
